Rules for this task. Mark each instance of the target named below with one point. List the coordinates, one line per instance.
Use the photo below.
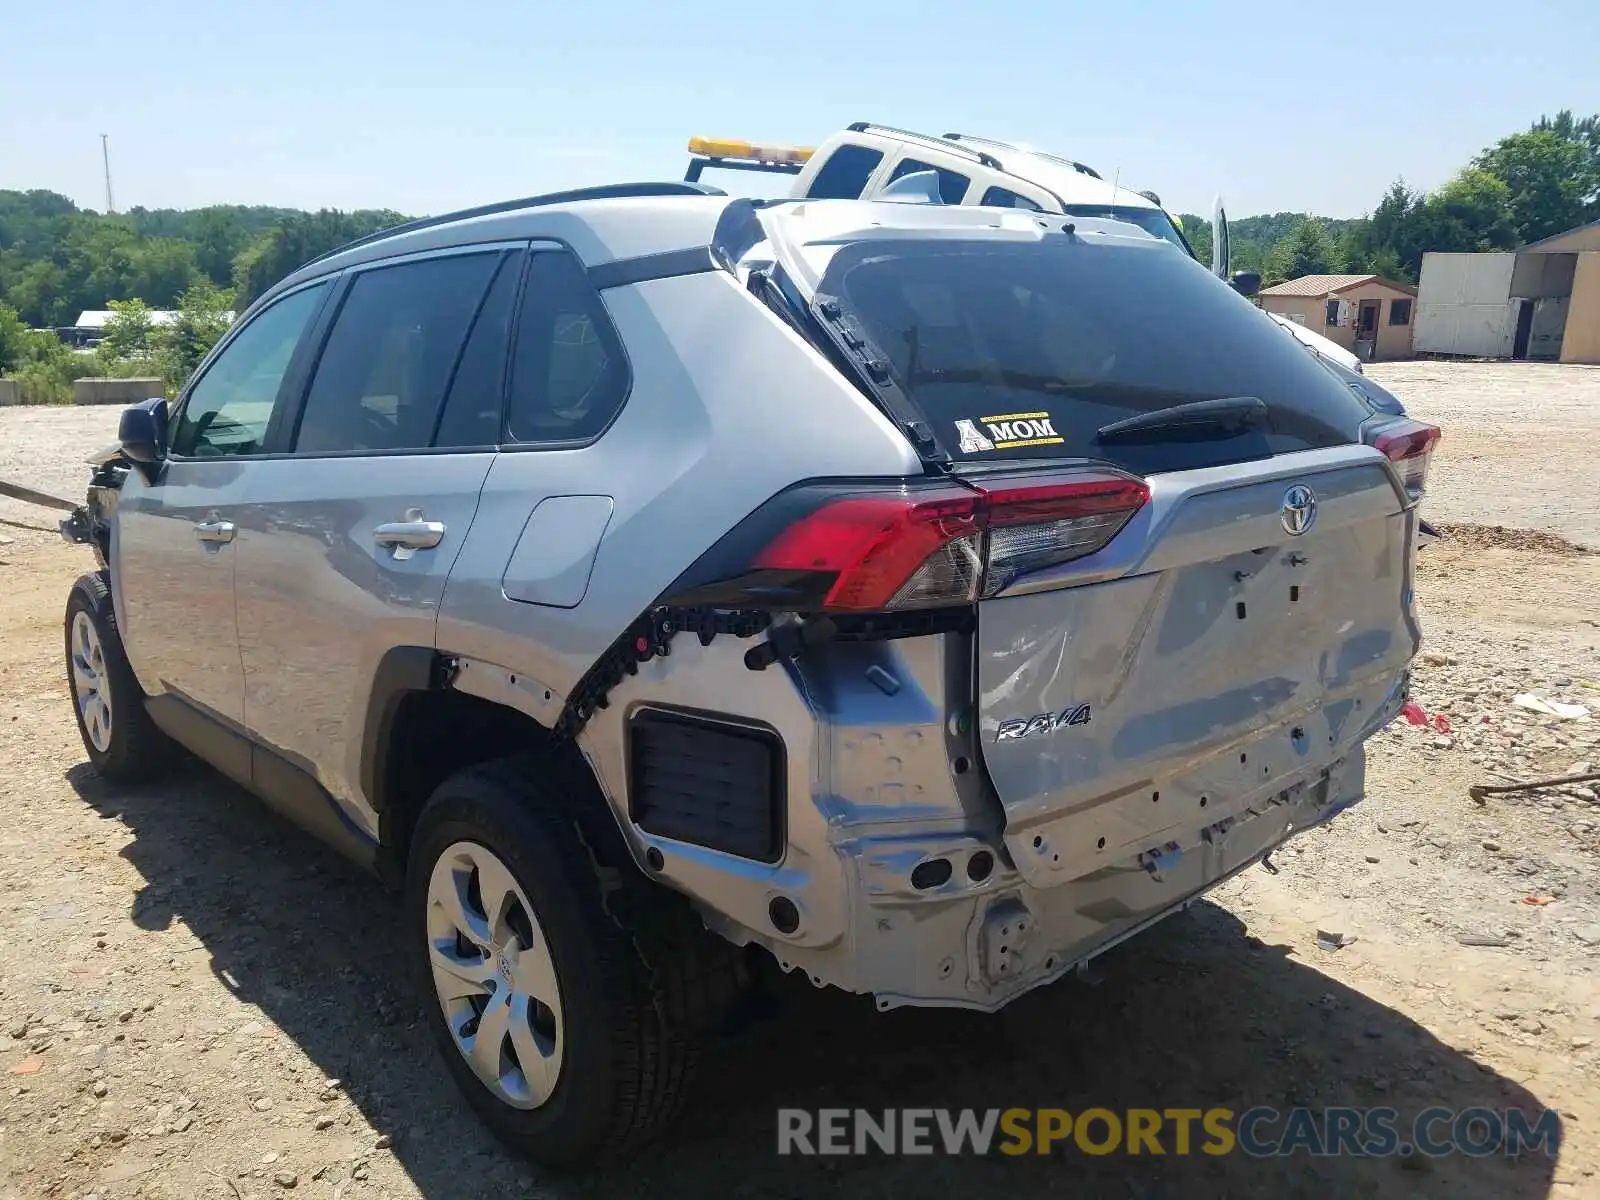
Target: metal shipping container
(1464, 305)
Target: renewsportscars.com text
(1259, 1132)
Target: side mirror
(1246, 283)
(143, 434)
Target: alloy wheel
(494, 976)
(91, 685)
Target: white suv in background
(868, 161)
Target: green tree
(1550, 181)
(1307, 250)
(127, 334)
(204, 313)
(219, 235)
(39, 292)
(160, 270)
(1585, 132)
(1198, 233)
(1471, 212)
(13, 339)
(295, 241)
(1385, 263)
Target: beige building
(1540, 302)
(1366, 314)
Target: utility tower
(105, 157)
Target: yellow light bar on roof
(728, 148)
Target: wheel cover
(494, 975)
(90, 686)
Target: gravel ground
(197, 1001)
(1518, 447)
(44, 449)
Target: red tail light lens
(1409, 446)
(926, 550)
(875, 545)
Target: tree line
(57, 259)
(1527, 186)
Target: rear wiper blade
(1206, 418)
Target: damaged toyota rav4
(660, 587)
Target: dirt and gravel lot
(197, 1001)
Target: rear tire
(512, 936)
(121, 740)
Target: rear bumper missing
(992, 942)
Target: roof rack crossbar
(1081, 168)
(609, 191)
(984, 159)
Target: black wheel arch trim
(401, 671)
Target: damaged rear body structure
(931, 596)
(971, 811)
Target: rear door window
(1029, 350)
(381, 380)
(845, 173)
(476, 402)
(953, 185)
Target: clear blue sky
(423, 107)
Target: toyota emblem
(1299, 509)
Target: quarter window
(999, 197)
(569, 376)
(844, 175)
(952, 184)
(382, 377)
(229, 408)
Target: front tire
(122, 742)
(512, 938)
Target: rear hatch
(1230, 613)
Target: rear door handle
(408, 536)
(214, 531)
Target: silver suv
(922, 599)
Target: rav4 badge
(1020, 727)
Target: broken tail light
(1409, 446)
(844, 548)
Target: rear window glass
(1151, 220)
(953, 185)
(1028, 350)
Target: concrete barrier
(116, 391)
(10, 392)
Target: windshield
(1027, 350)
(1151, 220)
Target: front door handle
(214, 531)
(408, 536)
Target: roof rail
(987, 160)
(1081, 168)
(608, 191)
